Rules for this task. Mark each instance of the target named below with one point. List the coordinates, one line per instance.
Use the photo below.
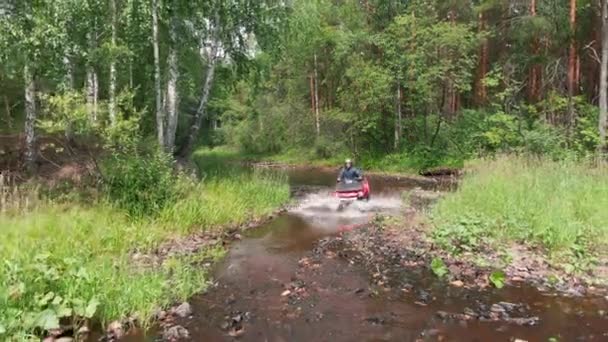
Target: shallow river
(249, 301)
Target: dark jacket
(351, 173)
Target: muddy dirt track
(318, 274)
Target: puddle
(277, 284)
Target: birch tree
(160, 120)
(603, 118)
(172, 102)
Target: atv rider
(348, 172)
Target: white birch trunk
(172, 94)
(316, 83)
(112, 90)
(201, 111)
(398, 116)
(160, 120)
(604, 79)
(30, 118)
(69, 86)
(92, 84)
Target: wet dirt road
(293, 279)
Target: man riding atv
(351, 184)
(350, 173)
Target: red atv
(350, 190)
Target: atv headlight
(360, 193)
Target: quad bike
(350, 190)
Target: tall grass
(560, 206)
(74, 262)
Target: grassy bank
(559, 206)
(71, 262)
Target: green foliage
(45, 279)
(78, 263)
(498, 278)
(466, 235)
(140, 184)
(553, 204)
(438, 267)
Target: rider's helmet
(348, 162)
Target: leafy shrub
(141, 185)
(466, 235)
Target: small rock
(115, 329)
(470, 312)
(237, 318)
(285, 293)
(83, 330)
(64, 339)
(55, 332)
(183, 311)
(225, 325)
(529, 321)
(457, 283)
(443, 314)
(519, 340)
(496, 308)
(236, 332)
(175, 333)
(238, 236)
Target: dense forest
(140, 139)
(418, 83)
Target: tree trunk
(160, 120)
(172, 93)
(572, 55)
(535, 74)
(91, 79)
(398, 116)
(317, 115)
(202, 106)
(30, 118)
(482, 69)
(603, 119)
(69, 72)
(572, 86)
(112, 90)
(69, 86)
(312, 93)
(9, 116)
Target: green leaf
(497, 278)
(2, 329)
(438, 267)
(91, 308)
(47, 320)
(64, 311)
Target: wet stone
(183, 310)
(176, 333)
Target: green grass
(74, 262)
(560, 206)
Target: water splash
(323, 210)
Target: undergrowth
(558, 206)
(71, 263)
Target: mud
(318, 274)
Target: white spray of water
(322, 210)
